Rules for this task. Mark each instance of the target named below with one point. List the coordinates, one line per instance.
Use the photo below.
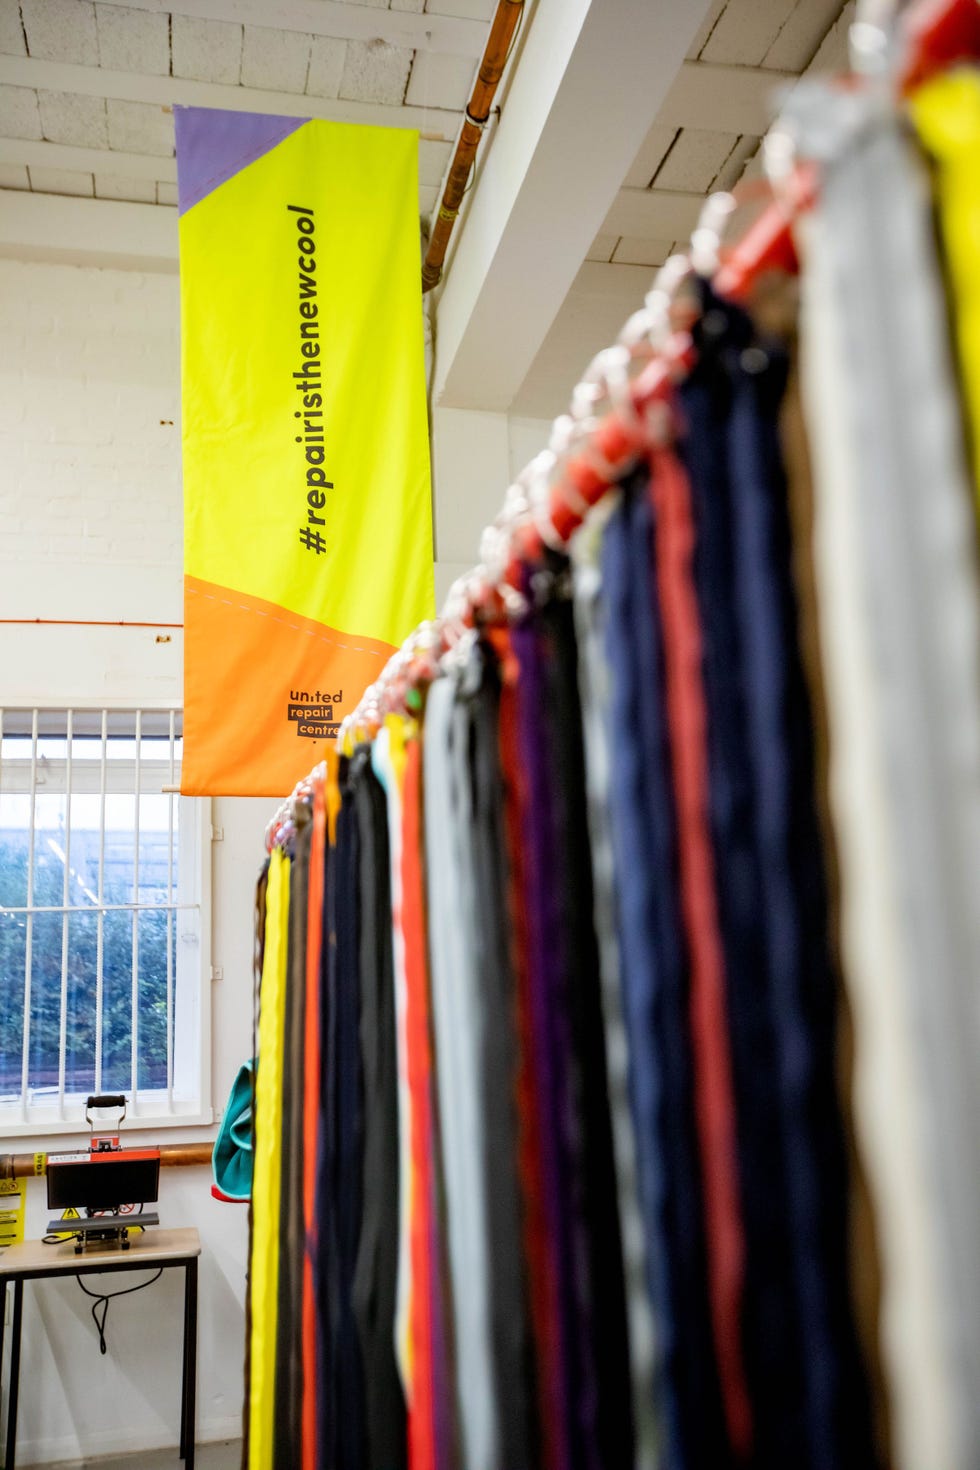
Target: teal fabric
(231, 1162)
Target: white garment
(899, 597)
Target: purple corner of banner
(214, 145)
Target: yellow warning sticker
(11, 1212)
(69, 1214)
(40, 1163)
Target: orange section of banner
(271, 661)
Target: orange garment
(422, 1406)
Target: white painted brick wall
(89, 442)
(90, 490)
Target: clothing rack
(590, 450)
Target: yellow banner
(308, 532)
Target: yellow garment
(946, 113)
(264, 1266)
(388, 760)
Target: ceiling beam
(27, 151)
(434, 123)
(589, 82)
(102, 232)
(723, 99)
(334, 18)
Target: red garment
(542, 1274)
(713, 1085)
(311, 1109)
(422, 1434)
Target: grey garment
(904, 686)
(646, 1360)
(458, 1063)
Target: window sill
(134, 1128)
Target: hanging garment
(266, 1187)
(569, 1047)
(803, 985)
(655, 988)
(593, 677)
(375, 1279)
(457, 1015)
(480, 826)
(713, 1089)
(292, 1230)
(388, 761)
(311, 1113)
(902, 678)
(423, 1307)
(946, 112)
(539, 1249)
(771, 1327)
(346, 1081)
(258, 958)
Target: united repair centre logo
(313, 713)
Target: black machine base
(101, 1229)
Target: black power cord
(101, 1300)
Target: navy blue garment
(349, 1133)
(771, 1337)
(801, 976)
(655, 981)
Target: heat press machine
(105, 1184)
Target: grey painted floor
(224, 1456)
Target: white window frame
(182, 1104)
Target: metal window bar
(29, 934)
(135, 1009)
(66, 893)
(75, 726)
(171, 920)
(100, 923)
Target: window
(102, 902)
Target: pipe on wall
(505, 22)
(172, 1156)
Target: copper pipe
(172, 1155)
(505, 23)
(82, 623)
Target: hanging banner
(307, 506)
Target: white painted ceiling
(87, 89)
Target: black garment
(292, 1230)
(375, 1276)
(323, 1247)
(482, 834)
(605, 1357)
(576, 1129)
(771, 1326)
(348, 1135)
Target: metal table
(152, 1249)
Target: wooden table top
(150, 1247)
